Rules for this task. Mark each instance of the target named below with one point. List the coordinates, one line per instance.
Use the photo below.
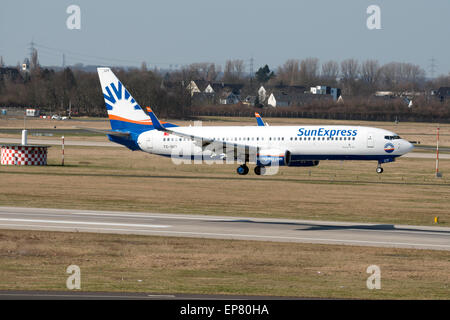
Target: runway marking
(81, 296)
(327, 240)
(333, 228)
(154, 216)
(87, 223)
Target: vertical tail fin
(124, 112)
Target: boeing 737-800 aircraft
(265, 146)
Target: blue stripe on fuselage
(135, 129)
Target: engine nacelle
(298, 163)
(270, 157)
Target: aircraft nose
(408, 146)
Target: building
(228, 97)
(442, 93)
(10, 74)
(32, 113)
(334, 92)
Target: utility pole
(251, 72)
(438, 174)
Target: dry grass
(31, 260)
(118, 179)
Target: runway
(218, 227)
(86, 295)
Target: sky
(173, 33)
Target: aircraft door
(370, 140)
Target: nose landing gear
(379, 168)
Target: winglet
(156, 123)
(259, 120)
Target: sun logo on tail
(115, 93)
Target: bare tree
(370, 70)
(330, 72)
(234, 70)
(401, 76)
(309, 69)
(350, 71)
(289, 72)
(34, 60)
(2, 63)
(144, 66)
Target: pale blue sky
(178, 32)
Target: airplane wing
(238, 149)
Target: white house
(278, 100)
(262, 94)
(193, 88)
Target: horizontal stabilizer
(110, 132)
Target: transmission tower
(432, 67)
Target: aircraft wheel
(242, 170)
(380, 170)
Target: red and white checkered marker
(23, 156)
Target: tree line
(52, 91)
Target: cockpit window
(392, 137)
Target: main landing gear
(242, 170)
(260, 170)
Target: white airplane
(265, 146)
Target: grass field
(118, 179)
(32, 260)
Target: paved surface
(80, 295)
(67, 142)
(178, 225)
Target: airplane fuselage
(303, 142)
